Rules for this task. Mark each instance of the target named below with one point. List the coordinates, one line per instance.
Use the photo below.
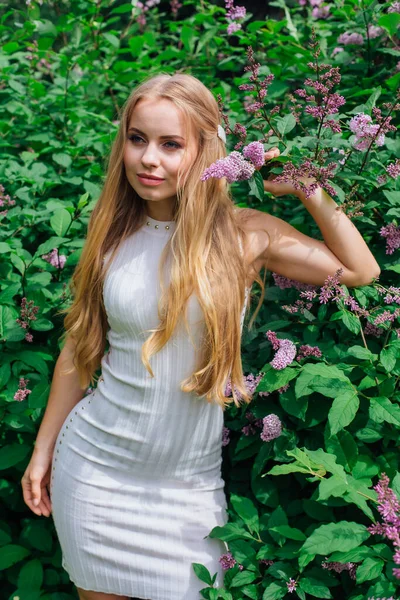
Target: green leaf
(202, 573)
(11, 554)
(388, 357)
(371, 568)
(31, 575)
(230, 531)
(256, 185)
(361, 353)
(285, 469)
(276, 378)
(333, 486)
(351, 321)
(390, 22)
(60, 221)
(12, 454)
(343, 410)
(246, 511)
(64, 160)
(343, 536)
(290, 533)
(307, 377)
(243, 577)
(315, 588)
(275, 591)
(286, 124)
(343, 446)
(382, 410)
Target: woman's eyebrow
(162, 137)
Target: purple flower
(272, 428)
(233, 28)
(394, 168)
(374, 31)
(389, 508)
(225, 436)
(351, 38)
(55, 259)
(340, 567)
(255, 153)
(227, 561)
(392, 234)
(395, 7)
(234, 167)
(371, 329)
(291, 585)
(283, 283)
(286, 351)
(306, 350)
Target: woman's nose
(150, 156)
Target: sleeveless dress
(136, 481)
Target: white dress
(136, 481)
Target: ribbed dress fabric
(136, 482)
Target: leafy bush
(300, 484)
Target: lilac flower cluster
(286, 351)
(365, 133)
(250, 429)
(291, 585)
(175, 6)
(5, 200)
(319, 177)
(225, 436)
(351, 38)
(22, 391)
(392, 234)
(387, 316)
(272, 428)
(143, 8)
(227, 561)
(391, 295)
(250, 382)
(305, 350)
(55, 259)
(235, 166)
(394, 8)
(330, 102)
(318, 11)
(28, 312)
(371, 329)
(331, 290)
(338, 567)
(233, 14)
(260, 87)
(389, 508)
(298, 307)
(283, 283)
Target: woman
(134, 468)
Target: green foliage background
(66, 69)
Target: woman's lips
(148, 181)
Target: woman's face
(154, 145)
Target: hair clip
(221, 134)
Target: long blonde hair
(207, 257)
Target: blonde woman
(131, 472)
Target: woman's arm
(65, 393)
(297, 256)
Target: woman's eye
(133, 138)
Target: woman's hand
(35, 481)
(281, 188)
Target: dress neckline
(158, 227)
